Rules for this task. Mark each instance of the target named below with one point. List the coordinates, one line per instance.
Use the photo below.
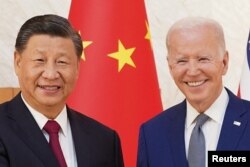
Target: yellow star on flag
(85, 45)
(148, 35)
(123, 56)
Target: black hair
(49, 24)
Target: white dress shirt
(210, 128)
(65, 135)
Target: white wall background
(13, 13)
(234, 16)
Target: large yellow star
(123, 56)
(85, 45)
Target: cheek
(177, 74)
(26, 74)
(28, 79)
(71, 77)
(34, 74)
(219, 70)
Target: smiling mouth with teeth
(195, 83)
(49, 87)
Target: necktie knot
(201, 119)
(52, 127)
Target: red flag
(117, 84)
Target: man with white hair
(211, 117)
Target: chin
(196, 100)
(50, 102)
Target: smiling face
(47, 71)
(197, 63)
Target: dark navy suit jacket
(162, 143)
(22, 143)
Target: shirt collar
(215, 112)
(61, 119)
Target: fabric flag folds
(118, 83)
(244, 89)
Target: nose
(193, 68)
(50, 72)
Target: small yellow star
(123, 56)
(148, 35)
(85, 45)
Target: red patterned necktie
(52, 128)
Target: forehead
(194, 42)
(196, 38)
(42, 40)
(46, 37)
(49, 45)
(192, 34)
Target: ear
(169, 66)
(17, 62)
(78, 68)
(225, 62)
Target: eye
(181, 61)
(62, 62)
(39, 60)
(204, 59)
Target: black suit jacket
(22, 143)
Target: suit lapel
(176, 134)
(26, 128)
(82, 139)
(233, 125)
